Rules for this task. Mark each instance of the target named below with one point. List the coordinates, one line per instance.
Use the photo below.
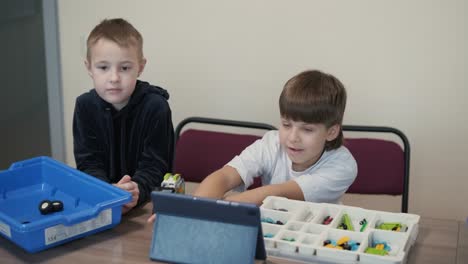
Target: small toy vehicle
(173, 183)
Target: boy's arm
(219, 183)
(327, 184)
(289, 189)
(215, 185)
(89, 157)
(254, 160)
(157, 156)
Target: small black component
(45, 207)
(346, 246)
(57, 206)
(166, 189)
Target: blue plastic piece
(89, 205)
(267, 220)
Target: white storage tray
(296, 230)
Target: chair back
(383, 166)
(199, 152)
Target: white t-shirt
(325, 181)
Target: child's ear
(333, 132)
(142, 66)
(88, 68)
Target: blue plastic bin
(90, 205)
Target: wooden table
(439, 241)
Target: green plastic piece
(363, 227)
(391, 226)
(347, 221)
(381, 252)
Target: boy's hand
(128, 185)
(152, 218)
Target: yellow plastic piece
(343, 240)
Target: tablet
(191, 229)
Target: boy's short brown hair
(117, 30)
(315, 97)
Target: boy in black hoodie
(122, 129)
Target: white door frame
(54, 79)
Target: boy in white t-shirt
(305, 159)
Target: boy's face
(305, 142)
(114, 71)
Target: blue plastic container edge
(7, 219)
(45, 159)
(62, 219)
(100, 183)
(54, 220)
(37, 246)
(23, 163)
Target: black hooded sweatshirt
(137, 141)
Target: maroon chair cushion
(380, 166)
(201, 152)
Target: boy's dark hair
(117, 30)
(315, 97)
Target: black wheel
(57, 206)
(45, 207)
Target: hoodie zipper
(123, 145)
(110, 128)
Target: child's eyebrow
(101, 62)
(126, 62)
(309, 124)
(120, 62)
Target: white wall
(404, 64)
